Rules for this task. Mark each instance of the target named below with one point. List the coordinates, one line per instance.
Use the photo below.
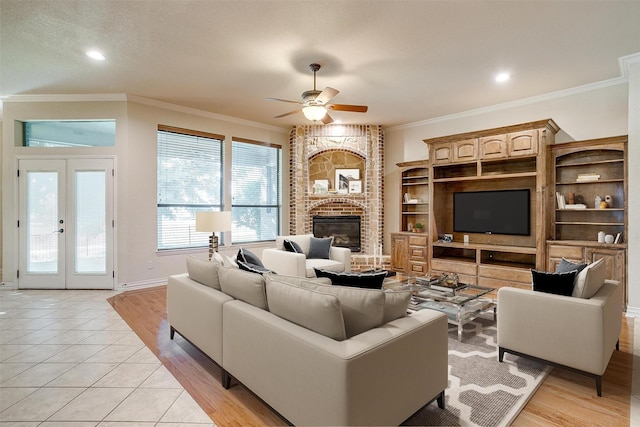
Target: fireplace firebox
(345, 230)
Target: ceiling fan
(315, 104)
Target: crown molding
(193, 111)
(625, 63)
(86, 97)
(517, 103)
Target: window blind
(189, 179)
(256, 190)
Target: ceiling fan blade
(346, 107)
(327, 119)
(288, 114)
(326, 95)
(284, 100)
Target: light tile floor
(67, 358)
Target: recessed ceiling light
(94, 54)
(502, 77)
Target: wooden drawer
(454, 267)
(418, 268)
(498, 283)
(517, 275)
(569, 252)
(418, 252)
(418, 240)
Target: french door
(65, 223)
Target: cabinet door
(465, 150)
(523, 143)
(399, 252)
(441, 153)
(555, 253)
(613, 259)
(493, 147)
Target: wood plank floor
(564, 399)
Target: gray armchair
(575, 333)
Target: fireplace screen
(345, 230)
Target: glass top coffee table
(461, 306)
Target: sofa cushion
(291, 246)
(249, 257)
(396, 304)
(317, 311)
(253, 268)
(360, 280)
(203, 271)
(243, 285)
(565, 265)
(362, 309)
(554, 283)
(590, 279)
(320, 247)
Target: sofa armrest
(379, 377)
(284, 262)
(195, 311)
(342, 255)
(580, 333)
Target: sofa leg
(172, 332)
(441, 400)
(599, 385)
(618, 345)
(500, 354)
(226, 380)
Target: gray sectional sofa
(317, 354)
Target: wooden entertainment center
(522, 157)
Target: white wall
(633, 254)
(601, 111)
(135, 150)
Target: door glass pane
(90, 244)
(42, 222)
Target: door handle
(59, 231)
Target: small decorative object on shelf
(419, 227)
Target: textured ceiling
(407, 60)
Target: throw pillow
(291, 246)
(253, 268)
(243, 285)
(590, 279)
(396, 304)
(359, 280)
(554, 283)
(362, 309)
(310, 309)
(565, 265)
(229, 262)
(203, 271)
(247, 256)
(320, 247)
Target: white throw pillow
(203, 271)
(590, 279)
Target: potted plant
(419, 226)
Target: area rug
(481, 390)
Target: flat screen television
(492, 212)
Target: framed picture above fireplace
(343, 176)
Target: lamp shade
(314, 112)
(212, 221)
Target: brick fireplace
(321, 157)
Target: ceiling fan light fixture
(314, 112)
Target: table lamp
(213, 221)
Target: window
(256, 190)
(190, 177)
(67, 133)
